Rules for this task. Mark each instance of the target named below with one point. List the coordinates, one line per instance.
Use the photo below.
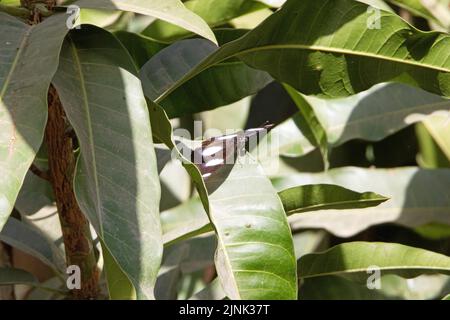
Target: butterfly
(215, 153)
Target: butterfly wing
(217, 152)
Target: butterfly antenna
(267, 125)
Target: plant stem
(75, 227)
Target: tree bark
(75, 227)
(6, 292)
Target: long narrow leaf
(226, 82)
(116, 182)
(417, 197)
(355, 258)
(172, 11)
(322, 196)
(329, 48)
(29, 61)
(244, 228)
(214, 12)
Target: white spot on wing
(231, 136)
(214, 162)
(211, 150)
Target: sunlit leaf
(316, 197)
(341, 53)
(172, 11)
(214, 12)
(355, 258)
(116, 182)
(24, 80)
(416, 196)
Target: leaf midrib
(343, 51)
(364, 270)
(78, 66)
(190, 75)
(336, 203)
(15, 62)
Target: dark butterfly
(217, 152)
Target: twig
(38, 172)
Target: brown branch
(7, 291)
(76, 231)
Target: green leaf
(182, 259)
(309, 198)
(434, 231)
(119, 285)
(100, 18)
(392, 287)
(376, 113)
(16, 276)
(140, 47)
(184, 221)
(116, 182)
(24, 80)
(10, 276)
(251, 20)
(162, 130)
(189, 219)
(431, 156)
(172, 11)
(255, 245)
(212, 291)
(337, 54)
(338, 288)
(232, 116)
(42, 294)
(12, 8)
(293, 138)
(11, 2)
(355, 258)
(37, 208)
(416, 197)
(227, 82)
(371, 115)
(27, 239)
(447, 297)
(241, 224)
(35, 194)
(273, 3)
(170, 275)
(438, 125)
(158, 74)
(313, 126)
(214, 12)
(307, 241)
